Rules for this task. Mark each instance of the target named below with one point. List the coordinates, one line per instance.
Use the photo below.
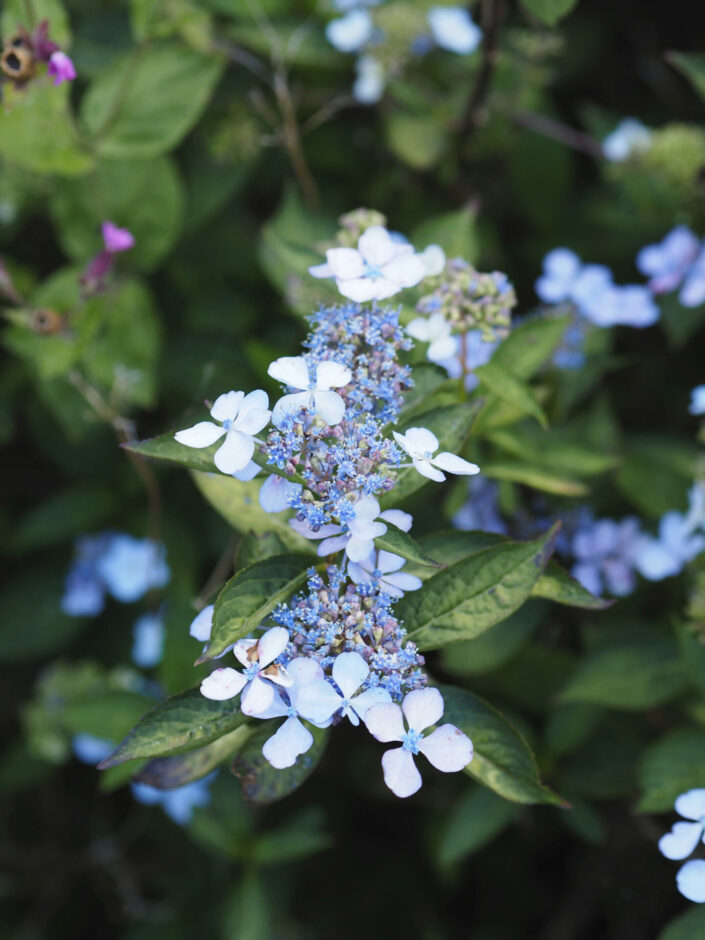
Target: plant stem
(292, 139)
(491, 18)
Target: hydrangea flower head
(239, 417)
(666, 263)
(447, 748)
(61, 68)
(605, 552)
(677, 544)
(421, 445)
(377, 269)
(351, 32)
(454, 29)
(629, 137)
(130, 567)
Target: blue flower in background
(697, 401)
(604, 552)
(351, 32)
(481, 511)
(178, 803)
(90, 749)
(454, 29)
(629, 137)
(667, 262)
(148, 640)
(370, 80)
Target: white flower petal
(349, 671)
(388, 562)
(275, 493)
(434, 259)
(321, 270)
(345, 263)
(422, 708)
(420, 441)
(385, 287)
(330, 374)
(272, 644)
(202, 434)
(252, 421)
(398, 584)
(257, 697)
(359, 549)
(226, 406)
(285, 746)
(426, 469)
(363, 702)
(249, 472)
(278, 709)
(691, 804)
(290, 405)
(451, 463)
(332, 545)
(222, 684)
(406, 270)
(385, 722)
(241, 649)
(447, 748)
(317, 700)
(359, 289)
(445, 347)
(329, 406)
(691, 880)
(400, 773)
(234, 453)
(202, 624)
(324, 532)
(290, 370)
(303, 670)
(420, 328)
(376, 246)
(402, 520)
(681, 840)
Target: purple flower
(61, 67)
(116, 239)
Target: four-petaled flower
(317, 395)
(357, 538)
(378, 268)
(421, 445)
(383, 567)
(255, 682)
(319, 701)
(240, 416)
(447, 748)
(434, 330)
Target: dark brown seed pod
(46, 322)
(17, 63)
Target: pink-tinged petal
(426, 469)
(363, 702)
(257, 697)
(202, 625)
(234, 453)
(291, 371)
(248, 472)
(242, 647)
(402, 520)
(401, 583)
(447, 748)
(329, 406)
(285, 746)
(331, 374)
(349, 671)
(321, 270)
(202, 434)
(345, 263)
(385, 722)
(680, 842)
(222, 684)
(358, 550)
(289, 405)
(253, 421)
(376, 246)
(422, 708)
(691, 880)
(454, 464)
(359, 289)
(272, 644)
(115, 239)
(326, 531)
(317, 700)
(226, 406)
(420, 441)
(406, 270)
(691, 805)
(333, 545)
(302, 671)
(400, 773)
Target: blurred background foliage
(223, 134)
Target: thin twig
(292, 139)
(555, 130)
(491, 17)
(219, 574)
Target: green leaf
(451, 425)
(692, 65)
(74, 509)
(249, 597)
(262, 783)
(502, 759)
(36, 130)
(553, 450)
(428, 379)
(109, 716)
(32, 623)
(655, 675)
(477, 819)
(145, 103)
(238, 503)
(670, 766)
(165, 773)
(692, 652)
(455, 232)
(689, 926)
(511, 389)
(469, 597)
(555, 584)
(181, 723)
(144, 195)
(402, 544)
(535, 476)
(494, 647)
(549, 11)
(417, 140)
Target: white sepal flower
(691, 880)
(434, 330)
(202, 624)
(447, 748)
(681, 841)
(319, 701)
(255, 683)
(385, 570)
(240, 416)
(358, 535)
(292, 738)
(276, 493)
(378, 268)
(317, 396)
(421, 445)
